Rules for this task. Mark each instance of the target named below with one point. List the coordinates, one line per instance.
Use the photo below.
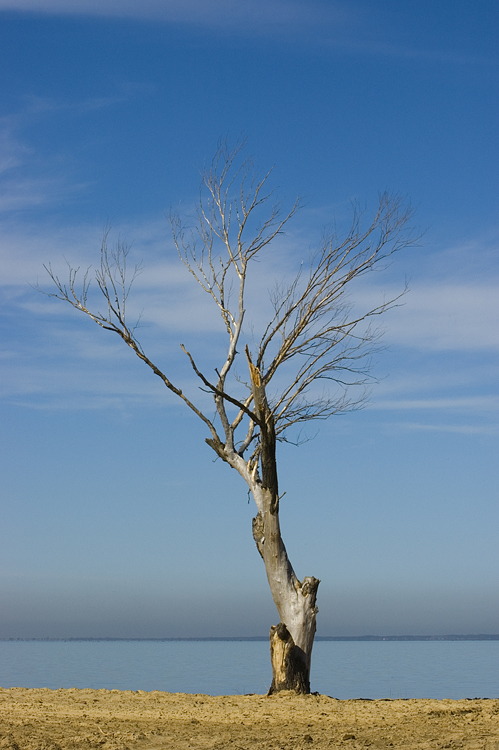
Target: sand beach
(44, 719)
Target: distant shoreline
(478, 637)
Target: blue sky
(115, 519)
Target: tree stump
(289, 665)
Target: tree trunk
(291, 641)
(290, 670)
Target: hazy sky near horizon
(116, 521)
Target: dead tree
(313, 349)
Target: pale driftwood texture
(319, 349)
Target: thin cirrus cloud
(40, 105)
(19, 194)
(447, 317)
(455, 316)
(458, 429)
(257, 14)
(464, 403)
(358, 28)
(12, 151)
(23, 170)
(26, 181)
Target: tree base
(289, 664)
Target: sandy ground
(115, 720)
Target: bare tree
(312, 350)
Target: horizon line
(448, 637)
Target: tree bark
(290, 670)
(291, 641)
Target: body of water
(351, 669)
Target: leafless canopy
(314, 346)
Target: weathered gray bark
(293, 638)
(291, 641)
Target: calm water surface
(356, 669)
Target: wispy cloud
(456, 316)
(25, 247)
(432, 377)
(353, 28)
(408, 52)
(433, 317)
(458, 429)
(26, 181)
(439, 320)
(31, 179)
(39, 105)
(12, 151)
(461, 403)
(257, 14)
(22, 193)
